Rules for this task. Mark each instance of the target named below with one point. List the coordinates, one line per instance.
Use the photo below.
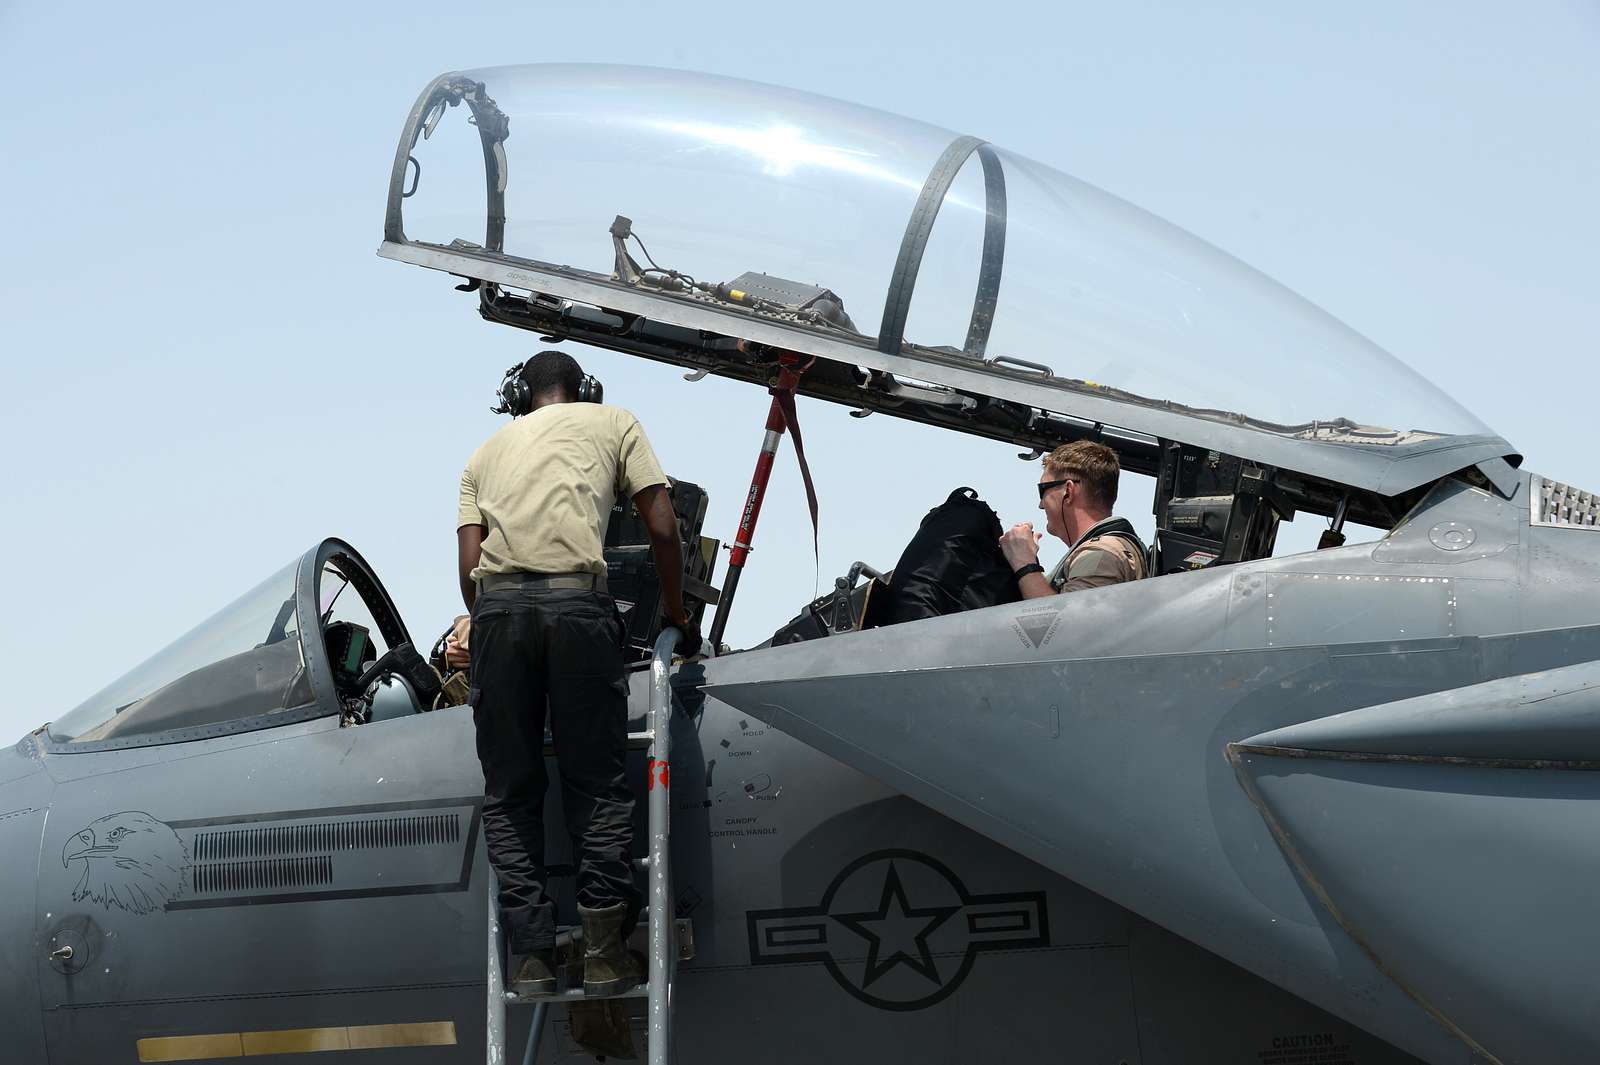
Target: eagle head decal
(130, 861)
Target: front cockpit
(319, 637)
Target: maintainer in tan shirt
(543, 487)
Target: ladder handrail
(663, 954)
(494, 1029)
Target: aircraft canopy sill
(1385, 469)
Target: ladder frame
(663, 955)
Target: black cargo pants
(562, 649)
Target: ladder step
(574, 994)
(637, 741)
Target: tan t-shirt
(543, 486)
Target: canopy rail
(844, 383)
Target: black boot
(608, 966)
(534, 974)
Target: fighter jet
(1324, 807)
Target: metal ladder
(658, 869)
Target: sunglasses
(1045, 486)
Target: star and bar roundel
(898, 930)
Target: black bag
(953, 563)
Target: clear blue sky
(197, 339)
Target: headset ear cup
(514, 396)
(514, 399)
(590, 390)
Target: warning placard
(1308, 1048)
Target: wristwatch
(1032, 567)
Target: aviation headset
(516, 399)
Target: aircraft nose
(76, 845)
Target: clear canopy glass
(244, 661)
(722, 178)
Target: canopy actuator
(780, 415)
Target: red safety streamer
(792, 417)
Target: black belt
(490, 582)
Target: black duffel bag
(954, 563)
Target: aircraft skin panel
(1560, 566)
(20, 760)
(988, 752)
(934, 941)
(905, 825)
(24, 804)
(279, 873)
(1014, 956)
(1546, 717)
(779, 850)
(1193, 1006)
(1464, 525)
(1064, 731)
(86, 766)
(1081, 1000)
(1477, 896)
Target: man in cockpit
(1077, 489)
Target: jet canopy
(294, 647)
(673, 214)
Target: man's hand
(690, 640)
(1020, 545)
(456, 651)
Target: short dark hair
(1094, 464)
(552, 370)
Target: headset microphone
(513, 393)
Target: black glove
(690, 639)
